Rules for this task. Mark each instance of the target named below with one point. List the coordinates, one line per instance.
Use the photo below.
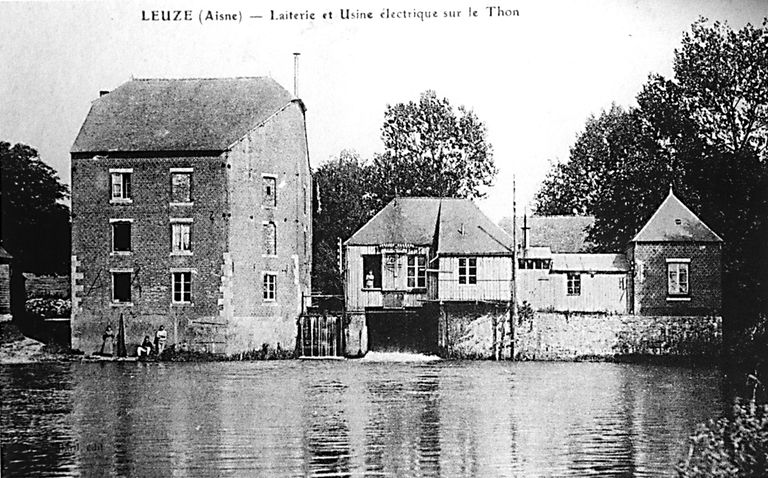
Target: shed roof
(589, 263)
(207, 114)
(458, 226)
(674, 222)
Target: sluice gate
(321, 336)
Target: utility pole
(513, 308)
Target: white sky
(533, 79)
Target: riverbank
(15, 348)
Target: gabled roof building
(676, 264)
(191, 211)
(427, 273)
(419, 259)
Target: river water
(351, 418)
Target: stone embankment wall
(560, 336)
(474, 331)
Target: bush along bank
(180, 354)
(736, 445)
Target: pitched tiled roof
(4, 254)
(589, 263)
(464, 229)
(179, 114)
(402, 221)
(674, 222)
(564, 234)
(460, 226)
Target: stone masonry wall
(560, 336)
(47, 286)
(473, 330)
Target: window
(677, 278)
(467, 270)
(269, 198)
(121, 235)
(270, 286)
(182, 287)
(574, 283)
(417, 272)
(120, 185)
(121, 287)
(181, 185)
(270, 239)
(534, 263)
(181, 237)
(372, 272)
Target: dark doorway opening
(413, 331)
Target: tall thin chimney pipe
(525, 231)
(296, 74)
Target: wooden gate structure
(321, 336)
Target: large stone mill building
(191, 206)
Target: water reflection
(350, 418)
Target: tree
(600, 151)
(35, 226)
(704, 133)
(344, 204)
(429, 150)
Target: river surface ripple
(351, 418)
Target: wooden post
(513, 304)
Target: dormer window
(678, 222)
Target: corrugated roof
(674, 222)
(461, 227)
(179, 114)
(564, 234)
(589, 263)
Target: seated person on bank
(145, 348)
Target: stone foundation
(561, 336)
(356, 335)
(479, 331)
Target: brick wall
(278, 149)
(649, 287)
(559, 336)
(150, 258)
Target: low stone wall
(561, 336)
(47, 286)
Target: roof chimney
(103, 92)
(525, 230)
(296, 74)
